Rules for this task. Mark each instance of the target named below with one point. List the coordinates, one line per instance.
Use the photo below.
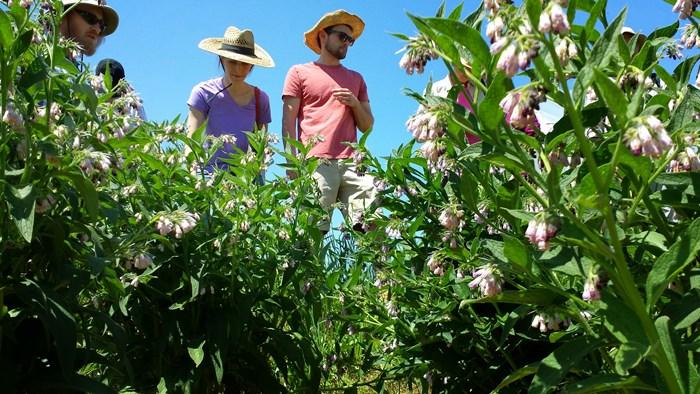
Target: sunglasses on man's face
(92, 19)
(344, 37)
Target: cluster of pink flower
(553, 18)
(435, 265)
(177, 223)
(487, 279)
(452, 218)
(13, 118)
(566, 50)
(685, 8)
(541, 229)
(545, 322)
(22, 3)
(44, 204)
(521, 105)
(591, 289)
(686, 161)
(95, 162)
(418, 52)
(426, 124)
(141, 261)
(495, 5)
(516, 55)
(689, 38)
(647, 136)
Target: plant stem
(626, 282)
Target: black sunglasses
(344, 37)
(92, 19)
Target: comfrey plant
(582, 275)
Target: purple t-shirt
(225, 116)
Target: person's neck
(328, 60)
(235, 86)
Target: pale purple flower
(13, 119)
(44, 204)
(487, 279)
(164, 225)
(566, 50)
(143, 261)
(425, 125)
(540, 230)
(545, 322)
(393, 230)
(508, 61)
(685, 8)
(417, 53)
(435, 265)
(591, 289)
(245, 226)
(392, 309)
(451, 218)
(494, 30)
(647, 136)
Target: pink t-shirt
(319, 112)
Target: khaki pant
(338, 181)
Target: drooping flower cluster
(95, 162)
(545, 322)
(686, 161)
(566, 50)
(13, 118)
(541, 229)
(689, 38)
(647, 136)
(631, 79)
(685, 8)
(452, 217)
(177, 223)
(495, 5)
(436, 265)
(141, 261)
(487, 279)
(591, 289)
(517, 54)
(417, 53)
(43, 205)
(427, 124)
(553, 19)
(520, 105)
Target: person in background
(87, 23)
(121, 88)
(228, 104)
(324, 104)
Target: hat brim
(333, 19)
(109, 15)
(261, 57)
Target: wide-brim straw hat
(109, 15)
(337, 17)
(238, 45)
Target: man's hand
(346, 97)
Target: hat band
(238, 49)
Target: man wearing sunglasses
(87, 22)
(324, 104)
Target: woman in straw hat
(228, 104)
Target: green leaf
(555, 366)
(6, 35)
(464, 35)
(218, 366)
(518, 375)
(489, 110)
(672, 263)
(683, 368)
(612, 95)
(87, 191)
(516, 252)
(603, 51)
(22, 43)
(21, 203)
(621, 321)
(628, 356)
(685, 111)
(683, 71)
(534, 9)
(197, 354)
(611, 383)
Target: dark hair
(116, 70)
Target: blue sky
(157, 43)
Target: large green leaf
(683, 71)
(6, 36)
(489, 110)
(672, 263)
(197, 353)
(685, 110)
(466, 36)
(554, 367)
(87, 190)
(621, 321)
(521, 373)
(612, 95)
(21, 203)
(684, 369)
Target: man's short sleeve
(292, 84)
(362, 95)
(198, 99)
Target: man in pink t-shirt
(324, 105)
